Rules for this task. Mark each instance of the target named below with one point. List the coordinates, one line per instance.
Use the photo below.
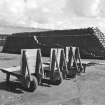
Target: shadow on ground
(15, 87)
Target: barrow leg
(84, 68)
(7, 78)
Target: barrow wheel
(31, 85)
(57, 78)
(57, 82)
(72, 73)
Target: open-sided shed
(89, 40)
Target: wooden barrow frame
(30, 70)
(56, 69)
(73, 61)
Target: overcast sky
(56, 14)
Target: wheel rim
(33, 84)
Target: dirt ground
(87, 89)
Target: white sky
(55, 14)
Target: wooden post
(39, 69)
(53, 60)
(23, 62)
